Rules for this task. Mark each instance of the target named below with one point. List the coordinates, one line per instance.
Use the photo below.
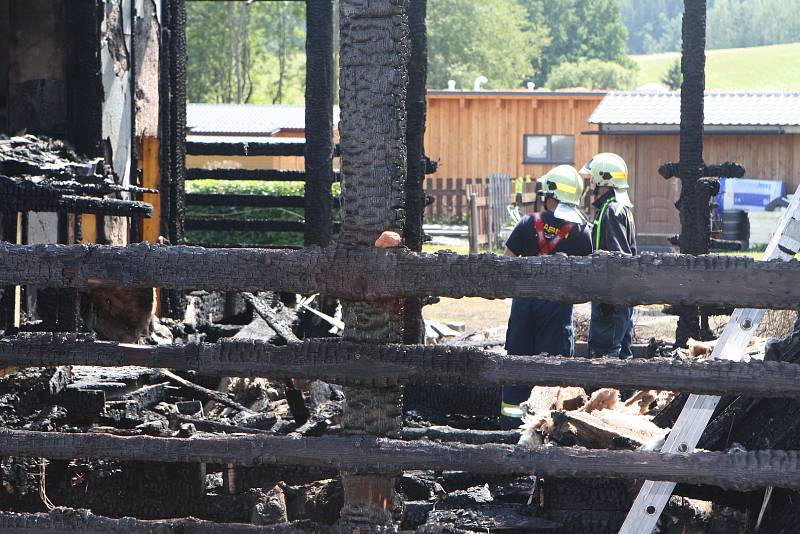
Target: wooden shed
(520, 133)
(474, 134)
(760, 131)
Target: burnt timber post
(413, 325)
(172, 81)
(319, 122)
(694, 206)
(697, 188)
(319, 147)
(374, 56)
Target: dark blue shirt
(617, 232)
(523, 241)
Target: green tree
(653, 25)
(673, 77)
(578, 30)
(219, 57)
(467, 39)
(245, 52)
(744, 23)
(592, 74)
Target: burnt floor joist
(260, 201)
(261, 175)
(370, 365)
(69, 520)
(234, 147)
(370, 273)
(367, 454)
(252, 225)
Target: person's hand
(389, 239)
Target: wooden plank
(371, 273)
(89, 228)
(357, 364)
(362, 453)
(698, 410)
(151, 178)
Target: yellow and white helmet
(607, 169)
(565, 185)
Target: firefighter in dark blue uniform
(611, 326)
(537, 326)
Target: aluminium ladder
(697, 412)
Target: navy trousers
(611, 331)
(535, 326)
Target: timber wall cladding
(769, 157)
(478, 134)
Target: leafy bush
(593, 74)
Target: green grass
(762, 68)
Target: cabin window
(548, 148)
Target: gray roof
(246, 119)
(721, 109)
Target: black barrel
(736, 227)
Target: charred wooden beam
(70, 520)
(373, 91)
(319, 125)
(260, 201)
(368, 454)
(263, 175)
(694, 200)
(368, 365)
(370, 273)
(216, 396)
(728, 169)
(473, 437)
(253, 225)
(271, 318)
(19, 195)
(413, 324)
(275, 147)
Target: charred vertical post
(413, 325)
(85, 91)
(319, 122)
(694, 200)
(373, 83)
(173, 133)
(177, 111)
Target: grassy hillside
(763, 68)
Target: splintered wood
(601, 421)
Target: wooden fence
(350, 273)
(236, 147)
(450, 201)
(488, 213)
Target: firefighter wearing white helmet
(537, 326)
(611, 327)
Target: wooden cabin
(760, 131)
(514, 132)
(519, 133)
